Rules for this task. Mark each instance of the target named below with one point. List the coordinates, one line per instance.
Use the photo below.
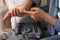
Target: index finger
(28, 12)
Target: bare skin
(38, 14)
(18, 11)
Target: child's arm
(26, 5)
(5, 18)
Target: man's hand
(14, 12)
(35, 13)
(38, 14)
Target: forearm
(26, 4)
(49, 19)
(7, 16)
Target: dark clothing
(26, 29)
(56, 37)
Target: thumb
(33, 9)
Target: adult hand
(36, 13)
(16, 12)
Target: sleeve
(3, 36)
(57, 25)
(8, 34)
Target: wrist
(49, 19)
